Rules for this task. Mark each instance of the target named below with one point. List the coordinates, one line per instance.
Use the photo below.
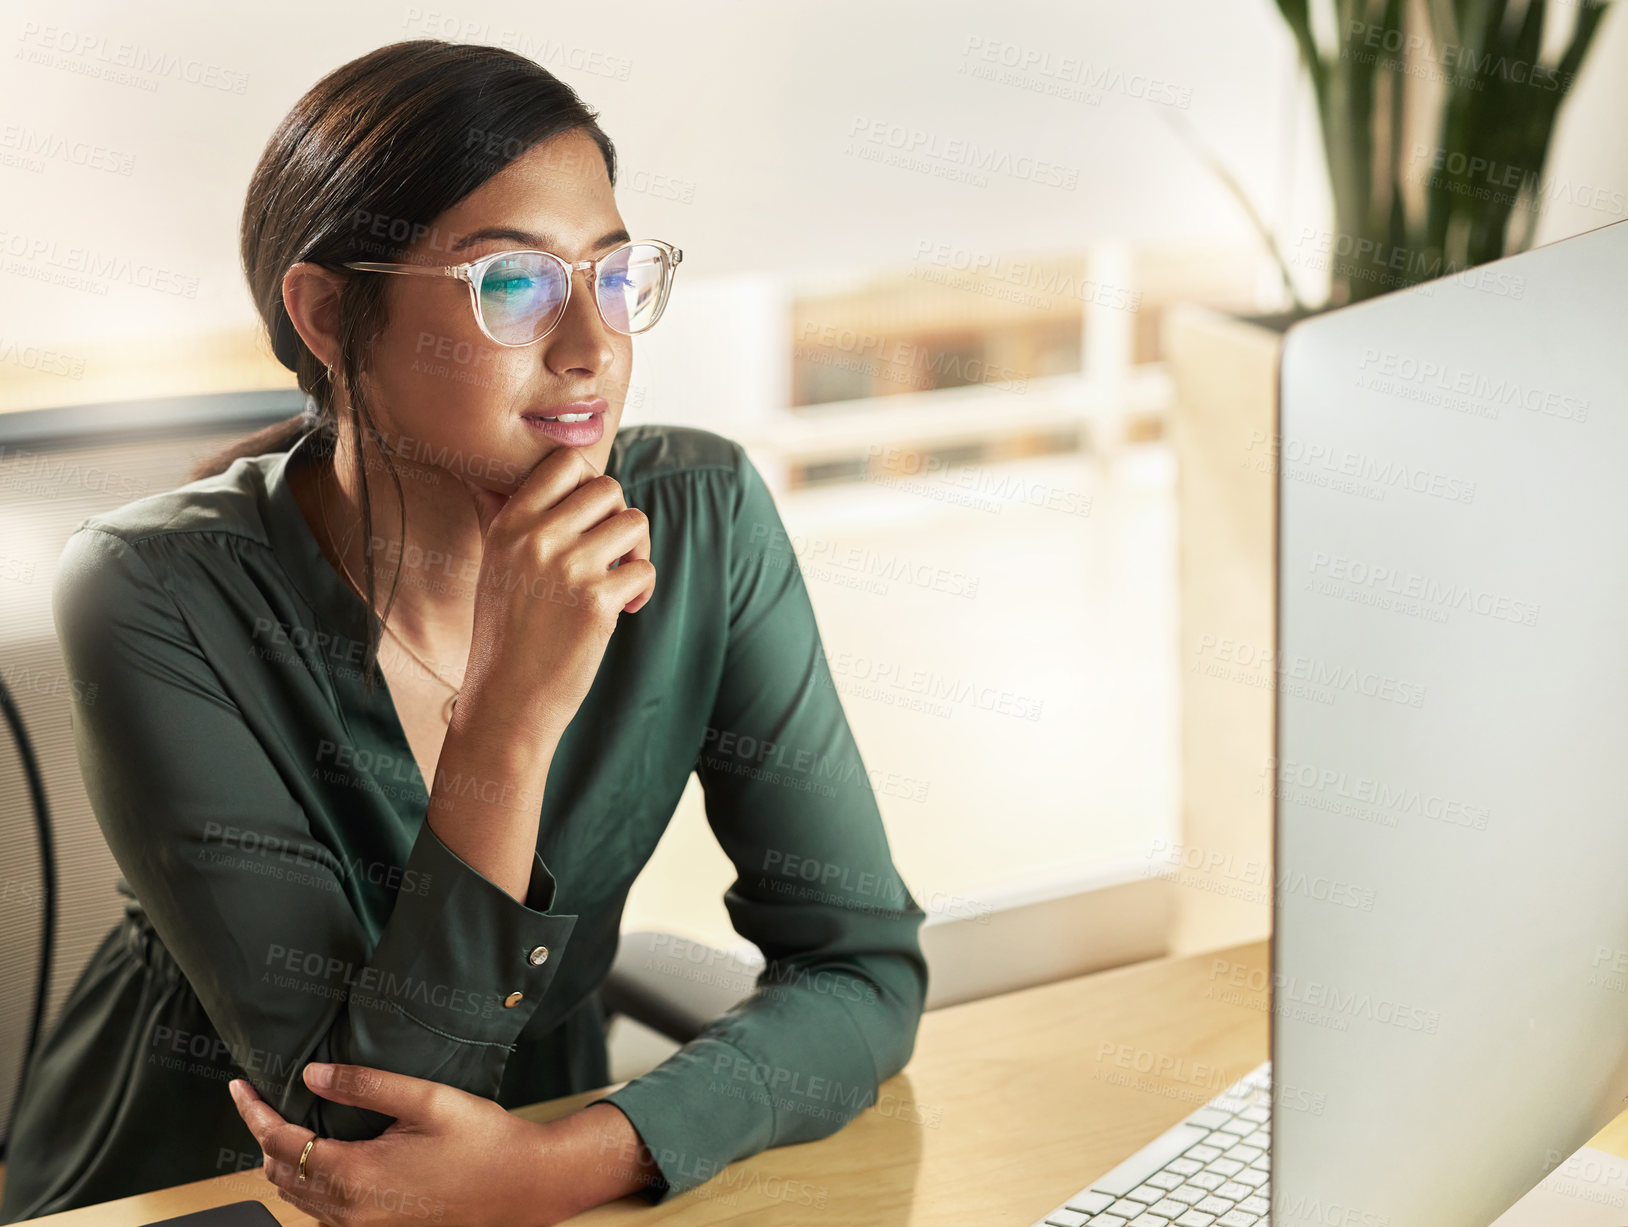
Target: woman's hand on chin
(448, 1157)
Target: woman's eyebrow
(544, 241)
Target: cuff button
(538, 956)
(512, 1000)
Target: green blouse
(286, 902)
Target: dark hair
(359, 169)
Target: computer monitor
(1450, 945)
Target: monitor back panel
(1450, 950)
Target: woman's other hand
(448, 1157)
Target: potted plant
(1467, 76)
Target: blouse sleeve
(275, 952)
(836, 1008)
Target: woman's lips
(583, 432)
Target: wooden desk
(1008, 1106)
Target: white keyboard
(1208, 1171)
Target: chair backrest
(58, 466)
(27, 906)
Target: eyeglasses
(520, 296)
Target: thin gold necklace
(322, 505)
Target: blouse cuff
(462, 957)
(695, 1115)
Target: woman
(350, 894)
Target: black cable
(48, 894)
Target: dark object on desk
(236, 1214)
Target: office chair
(57, 466)
(45, 858)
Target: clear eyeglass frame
(474, 270)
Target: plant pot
(1224, 426)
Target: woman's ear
(311, 298)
